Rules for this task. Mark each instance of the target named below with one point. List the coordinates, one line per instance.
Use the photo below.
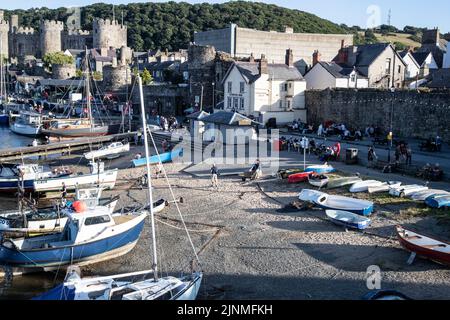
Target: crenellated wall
(108, 34)
(51, 36)
(416, 114)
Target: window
(285, 87)
(399, 69)
(388, 65)
(96, 220)
(353, 78)
(281, 104)
(229, 104)
(290, 85)
(235, 103)
(242, 87)
(230, 86)
(289, 105)
(242, 104)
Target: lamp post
(391, 137)
(214, 95)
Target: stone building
(242, 42)
(207, 68)
(433, 43)
(20, 42)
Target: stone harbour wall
(415, 114)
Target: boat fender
(79, 206)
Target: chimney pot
(263, 65)
(316, 57)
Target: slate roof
(198, 115)
(337, 70)
(250, 72)
(420, 57)
(368, 53)
(61, 83)
(225, 117)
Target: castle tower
(4, 29)
(109, 33)
(13, 23)
(51, 36)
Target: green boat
(342, 182)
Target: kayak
(385, 187)
(363, 186)
(320, 169)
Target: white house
(426, 61)
(324, 75)
(412, 66)
(266, 91)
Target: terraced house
(265, 91)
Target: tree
(79, 73)
(97, 75)
(146, 77)
(57, 58)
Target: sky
(365, 13)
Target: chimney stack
(316, 57)
(252, 58)
(263, 65)
(289, 58)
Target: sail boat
(74, 128)
(141, 285)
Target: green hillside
(171, 25)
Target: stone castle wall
(4, 29)
(116, 78)
(63, 71)
(416, 114)
(109, 33)
(51, 36)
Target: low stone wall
(415, 114)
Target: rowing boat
(363, 186)
(348, 219)
(424, 246)
(342, 182)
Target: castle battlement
(108, 23)
(52, 24)
(78, 33)
(4, 23)
(24, 30)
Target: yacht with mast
(141, 285)
(83, 127)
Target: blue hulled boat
(88, 237)
(163, 158)
(438, 201)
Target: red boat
(424, 246)
(299, 177)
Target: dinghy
(438, 201)
(348, 219)
(404, 191)
(332, 202)
(385, 187)
(90, 236)
(342, 182)
(423, 195)
(284, 174)
(363, 186)
(114, 150)
(299, 177)
(423, 246)
(319, 181)
(320, 169)
(163, 158)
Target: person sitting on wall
(358, 135)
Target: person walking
(371, 157)
(408, 155)
(64, 191)
(214, 176)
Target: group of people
(168, 124)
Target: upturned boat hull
(438, 201)
(163, 157)
(76, 133)
(348, 219)
(299, 177)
